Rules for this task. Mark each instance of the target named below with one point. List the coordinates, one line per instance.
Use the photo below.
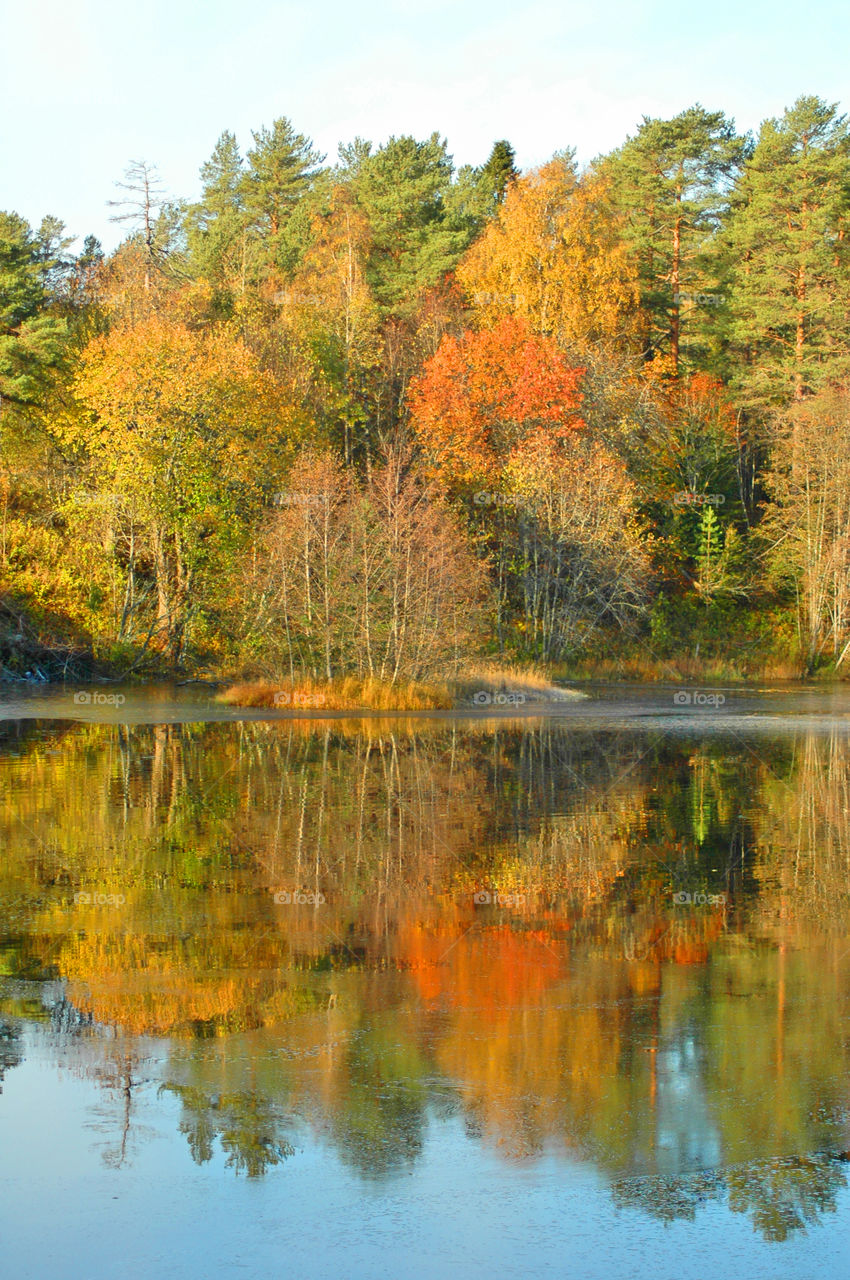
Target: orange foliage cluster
(485, 395)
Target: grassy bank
(648, 670)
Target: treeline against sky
(383, 416)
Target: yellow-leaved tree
(181, 435)
(555, 257)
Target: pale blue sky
(88, 85)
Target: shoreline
(771, 707)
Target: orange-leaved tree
(485, 396)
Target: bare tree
(372, 579)
(141, 207)
(808, 520)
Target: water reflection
(346, 934)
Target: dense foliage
(384, 415)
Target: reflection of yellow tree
(803, 839)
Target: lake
(559, 994)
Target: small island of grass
(485, 689)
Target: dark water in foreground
(469, 996)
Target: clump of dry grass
(534, 684)
(782, 669)
(348, 693)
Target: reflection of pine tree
(786, 1195)
(10, 1048)
(381, 1122)
(668, 1198)
(196, 1122)
(248, 1134)
(781, 1196)
(245, 1123)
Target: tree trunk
(675, 319)
(163, 602)
(800, 335)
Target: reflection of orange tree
(386, 821)
(542, 1039)
(535, 1030)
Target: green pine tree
(788, 249)
(217, 224)
(721, 558)
(282, 166)
(671, 181)
(478, 191)
(499, 171)
(404, 190)
(33, 329)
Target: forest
(385, 418)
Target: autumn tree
(484, 396)
(185, 431)
(370, 578)
(334, 320)
(580, 563)
(555, 515)
(808, 520)
(555, 257)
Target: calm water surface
(559, 996)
